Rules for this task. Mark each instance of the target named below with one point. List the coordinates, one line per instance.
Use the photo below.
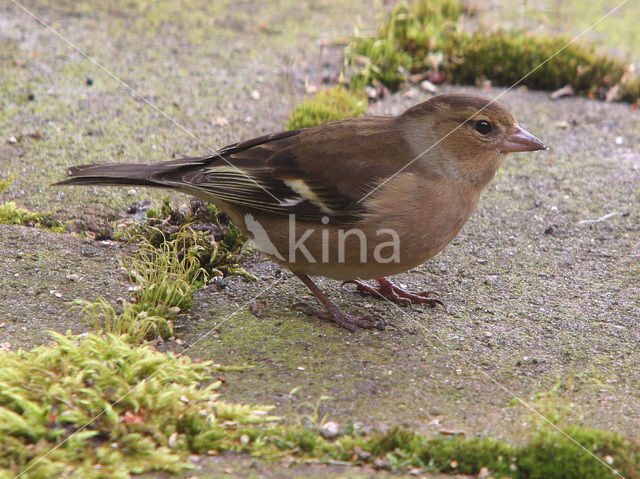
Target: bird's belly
(387, 241)
(348, 251)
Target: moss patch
(506, 57)
(201, 231)
(11, 214)
(113, 409)
(547, 455)
(630, 90)
(333, 104)
(166, 270)
(426, 38)
(6, 183)
(404, 42)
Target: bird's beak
(522, 140)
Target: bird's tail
(109, 174)
(157, 174)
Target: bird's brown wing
(312, 173)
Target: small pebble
(371, 92)
(429, 87)
(330, 430)
(565, 91)
(410, 93)
(220, 121)
(484, 473)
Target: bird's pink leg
(333, 313)
(390, 291)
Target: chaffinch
(352, 200)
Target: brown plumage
(351, 200)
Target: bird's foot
(339, 319)
(396, 294)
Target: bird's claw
(390, 291)
(352, 323)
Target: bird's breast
(427, 213)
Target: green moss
(203, 233)
(11, 214)
(402, 449)
(551, 455)
(630, 90)
(329, 105)
(165, 276)
(153, 213)
(425, 36)
(131, 320)
(404, 42)
(506, 57)
(379, 60)
(112, 408)
(166, 270)
(546, 456)
(51, 392)
(6, 183)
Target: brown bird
(352, 200)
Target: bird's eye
(483, 127)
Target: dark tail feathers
(109, 174)
(129, 173)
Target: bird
(353, 200)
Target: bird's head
(468, 135)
